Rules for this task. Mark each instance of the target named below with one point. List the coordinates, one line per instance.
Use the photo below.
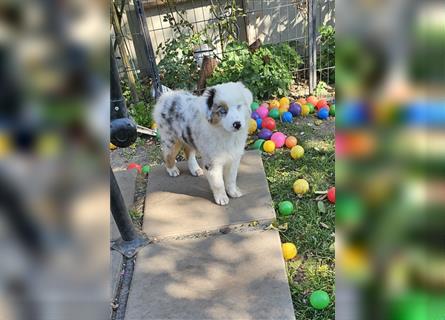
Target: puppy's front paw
(197, 172)
(173, 172)
(221, 199)
(234, 192)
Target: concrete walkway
(208, 261)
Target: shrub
(266, 72)
(327, 52)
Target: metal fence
(296, 22)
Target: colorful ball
(321, 103)
(259, 123)
(331, 195)
(274, 113)
(312, 99)
(305, 110)
(265, 134)
(135, 166)
(274, 104)
(289, 250)
(323, 113)
(301, 186)
(296, 152)
(319, 299)
(269, 123)
(154, 126)
(291, 142)
(269, 146)
(284, 102)
(252, 126)
(255, 115)
(311, 107)
(286, 117)
(112, 146)
(302, 101)
(265, 105)
(258, 144)
(278, 138)
(146, 169)
(324, 107)
(285, 208)
(295, 109)
(254, 106)
(332, 110)
(262, 111)
(282, 110)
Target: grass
(310, 230)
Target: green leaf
(321, 207)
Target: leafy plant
(327, 53)
(266, 72)
(321, 89)
(140, 110)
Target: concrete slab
(185, 204)
(115, 266)
(127, 183)
(232, 276)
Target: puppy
(215, 125)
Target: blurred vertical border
(54, 194)
(390, 149)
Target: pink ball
(262, 111)
(278, 138)
(265, 105)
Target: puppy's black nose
(237, 125)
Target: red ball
(268, 123)
(321, 103)
(135, 166)
(331, 194)
(312, 99)
(324, 107)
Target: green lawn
(309, 229)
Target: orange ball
(321, 103)
(301, 101)
(291, 141)
(313, 100)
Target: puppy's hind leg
(193, 165)
(230, 173)
(215, 178)
(171, 150)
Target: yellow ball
(112, 146)
(252, 126)
(297, 152)
(283, 110)
(284, 102)
(301, 186)
(274, 104)
(269, 146)
(154, 126)
(289, 250)
(305, 110)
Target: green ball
(349, 210)
(319, 299)
(332, 110)
(146, 169)
(285, 208)
(255, 105)
(274, 113)
(311, 107)
(258, 144)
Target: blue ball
(323, 113)
(265, 134)
(295, 109)
(259, 123)
(286, 117)
(255, 116)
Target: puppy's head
(229, 106)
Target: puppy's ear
(212, 115)
(248, 98)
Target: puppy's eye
(238, 106)
(221, 110)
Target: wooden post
(153, 68)
(312, 40)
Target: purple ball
(265, 134)
(295, 109)
(323, 113)
(259, 123)
(255, 116)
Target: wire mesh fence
(210, 26)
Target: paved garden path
(208, 261)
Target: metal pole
(312, 37)
(153, 69)
(119, 211)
